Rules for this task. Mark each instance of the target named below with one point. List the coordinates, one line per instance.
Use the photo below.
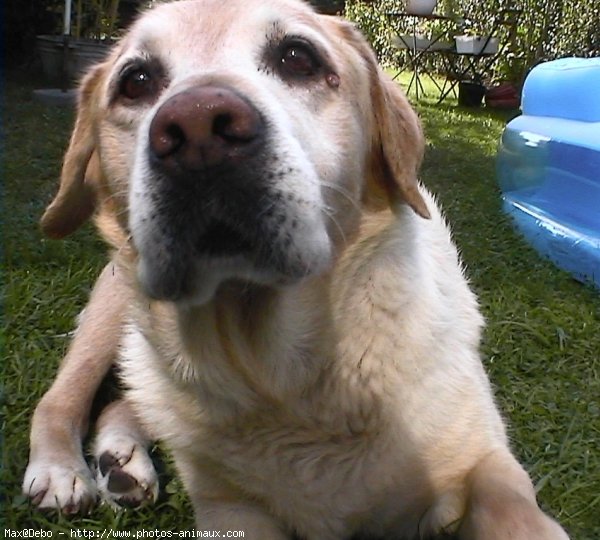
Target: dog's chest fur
(309, 461)
(312, 425)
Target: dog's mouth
(188, 266)
(175, 268)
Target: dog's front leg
(57, 475)
(502, 505)
(225, 516)
(219, 506)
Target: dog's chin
(189, 268)
(197, 282)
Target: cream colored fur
(352, 401)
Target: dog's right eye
(297, 60)
(137, 84)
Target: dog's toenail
(37, 498)
(71, 508)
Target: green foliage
(372, 19)
(545, 29)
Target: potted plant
(473, 39)
(427, 35)
(417, 41)
(475, 44)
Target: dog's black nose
(205, 126)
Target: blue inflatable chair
(549, 165)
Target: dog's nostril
(168, 140)
(176, 136)
(233, 129)
(222, 126)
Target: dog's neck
(255, 349)
(278, 338)
(271, 340)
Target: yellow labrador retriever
(296, 325)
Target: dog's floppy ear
(397, 142)
(398, 145)
(76, 199)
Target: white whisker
(330, 214)
(343, 192)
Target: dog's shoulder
(401, 289)
(401, 262)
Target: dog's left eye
(298, 60)
(137, 84)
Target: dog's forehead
(207, 32)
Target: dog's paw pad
(67, 488)
(126, 476)
(118, 480)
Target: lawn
(541, 347)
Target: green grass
(541, 346)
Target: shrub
(546, 29)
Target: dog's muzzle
(214, 202)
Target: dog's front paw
(125, 474)
(68, 488)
